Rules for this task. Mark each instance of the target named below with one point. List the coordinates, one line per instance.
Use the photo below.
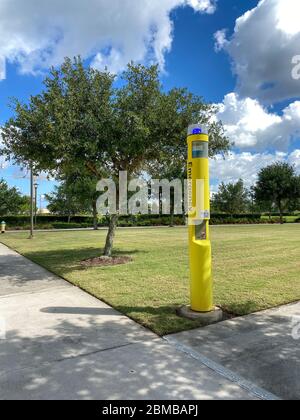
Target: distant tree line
(12, 201)
(277, 190)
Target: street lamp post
(31, 203)
(35, 201)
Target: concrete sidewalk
(61, 343)
(263, 348)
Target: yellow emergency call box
(3, 227)
(198, 220)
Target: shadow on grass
(152, 310)
(162, 320)
(64, 261)
(240, 309)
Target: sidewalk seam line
(94, 352)
(50, 362)
(224, 372)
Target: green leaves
(276, 182)
(279, 185)
(231, 198)
(82, 119)
(11, 201)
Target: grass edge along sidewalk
(255, 268)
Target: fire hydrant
(3, 227)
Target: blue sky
(248, 72)
(193, 61)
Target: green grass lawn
(255, 267)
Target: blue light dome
(197, 129)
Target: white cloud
(36, 34)
(2, 68)
(247, 166)
(207, 6)
(264, 42)
(249, 125)
(294, 159)
(221, 41)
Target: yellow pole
(199, 216)
(3, 227)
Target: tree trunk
(172, 220)
(172, 212)
(281, 213)
(113, 222)
(95, 215)
(69, 218)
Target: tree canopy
(83, 119)
(64, 202)
(278, 184)
(11, 200)
(231, 198)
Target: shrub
(24, 221)
(77, 222)
(62, 225)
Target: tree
(64, 202)
(25, 205)
(81, 185)
(278, 184)
(294, 203)
(178, 109)
(11, 200)
(232, 198)
(81, 120)
(67, 127)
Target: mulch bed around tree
(106, 262)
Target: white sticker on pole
(205, 214)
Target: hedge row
(77, 222)
(283, 214)
(142, 221)
(20, 221)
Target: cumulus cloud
(262, 48)
(220, 40)
(247, 165)
(36, 34)
(294, 159)
(2, 68)
(251, 126)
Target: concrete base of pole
(206, 318)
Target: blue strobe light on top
(197, 131)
